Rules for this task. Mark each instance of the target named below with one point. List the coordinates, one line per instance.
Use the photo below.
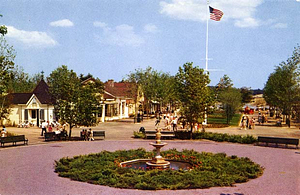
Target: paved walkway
(30, 169)
(123, 130)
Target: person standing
(174, 123)
(3, 132)
(44, 127)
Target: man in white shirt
(44, 128)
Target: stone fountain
(158, 162)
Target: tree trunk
(70, 132)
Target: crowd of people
(247, 122)
(87, 135)
(52, 127)
(169, 122)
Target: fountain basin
(143, 164)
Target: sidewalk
(30, 169)
(123, 130)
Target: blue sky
(111, 38)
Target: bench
(100, 134)
(164, 134)
(14, 140)
(279, 140)
(52, 136)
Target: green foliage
(231, 101)
(224, 137)
(22, 82)
(218, 118)
(208, 170)
(154, 85)
(224, 83)
(7, 56)
(193, 94)
(137, 134)
(246, 95)
(282, 87)
(3, 28)
(76, 103)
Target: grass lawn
(219, 118)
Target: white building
(32, 107)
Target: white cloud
(242, 12)
(100, 24)
(122, 35)
(280, 25)
(31, 38)
(62, 23)
(247, 22)
(184, 10)
(150, 28)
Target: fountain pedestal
(158, 162)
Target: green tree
(224, 83)
(3, 29)
(193, 93)
(88, 100)
(246, 95)
(75, 103)
(230, 97)
(231, 100)
(153, 85)
(7, 56)
(22, 82)
(282, 87)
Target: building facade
(31, 108)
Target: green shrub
(137, 134)
(208, 170)
(224, 137)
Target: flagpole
(206, 54)
(206, 57)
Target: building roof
(41, 91)
(118, 89)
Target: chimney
(110, 83)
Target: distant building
(118, 100)
(31, 108)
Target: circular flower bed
(208, 170)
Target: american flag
(215, 14)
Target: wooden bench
(100, 134)
(164, 134)
(52, 136)
(279, 140)
(14, 140)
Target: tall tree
(7, 56)
(75, 103)
(231, 100)
(154, 85)
(230, 97)
(22, 82)
(193, 94)
(282, 87)
(246, 95)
